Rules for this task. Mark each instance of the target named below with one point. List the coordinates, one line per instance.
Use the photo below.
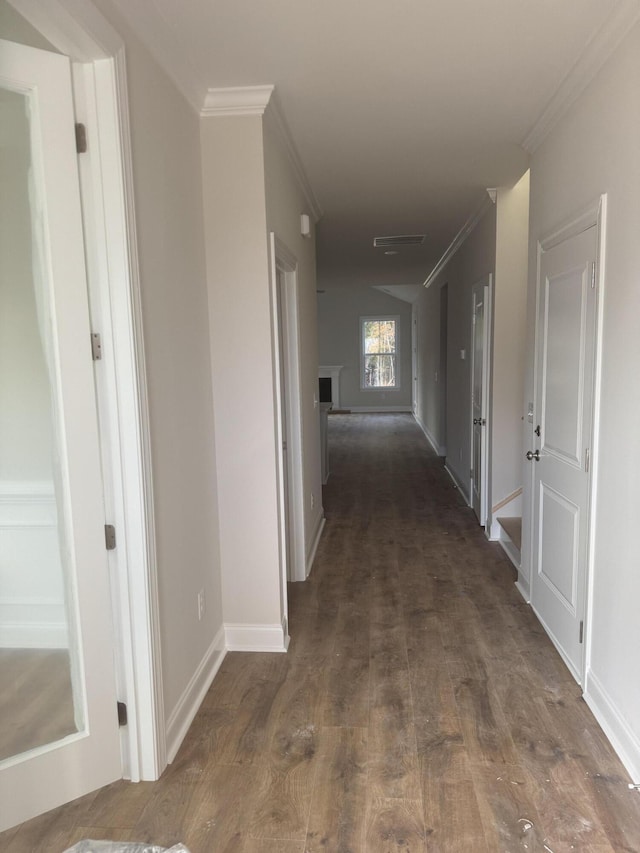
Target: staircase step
(513, 528)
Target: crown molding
(602, 44)
(459, 239)
(492, 192)
(276, 121)
(236, 101)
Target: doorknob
(533, 454)
(476, 421)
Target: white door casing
(286, 355)
(480, 347)
(55, 773)
(565, 383)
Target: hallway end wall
(593, 150)
(340, 308)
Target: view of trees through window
(379, 362)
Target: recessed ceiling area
(402, 113)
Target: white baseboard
(511, 551)
(316, 541)
(187, 707)
(439, 449)
(623, 739)
(364, 409)
(523, 589)
(462, 488)
(256, 638)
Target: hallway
(420, 706)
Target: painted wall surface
(431, 403)
(473, 261)
(241, 359)
(168, 195)
(594, 149)
(509, 335)
(284, 204)
(339, 313)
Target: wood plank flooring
(420, 707)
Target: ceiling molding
(236, 101)
(276, 120)
(459, 239)
(602, 44)
(492, 193)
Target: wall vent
(400, 240)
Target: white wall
(284, 204)
(594, 149)
(168, 194)
(241, 359)
(473, 261)
(339, 312)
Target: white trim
(236, 101)
(315, 542)
(485, 284)
(440, 449)
(523, 588)
(509, 549)
(256, 638)
(602, 45)
(459, 239)
(193, 695)
(33, 622)
(78, 29)
(277, 122)
(623, 739)
(355, 410)
(282, 259)
(458, 483)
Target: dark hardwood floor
(420, 707)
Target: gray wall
(339, 312)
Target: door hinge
(581, 631)
(109, 537)
(81, 138)
(593, 275)
(122, 714)
(587, 460)
(96, 346)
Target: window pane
(380, 371)
(387, 336)
(371, 336)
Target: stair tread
(512, 526)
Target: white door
(564, 402)
(59, 733)
(479, 399)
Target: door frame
(594, 215)
(97, 53)
(486, 282)
(282, 259)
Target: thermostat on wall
(463, 354)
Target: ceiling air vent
(400, 240)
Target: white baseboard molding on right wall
(624, 741)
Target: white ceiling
(402, 111)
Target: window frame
(380, 318)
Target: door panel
(56, 618)
(564, 399)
